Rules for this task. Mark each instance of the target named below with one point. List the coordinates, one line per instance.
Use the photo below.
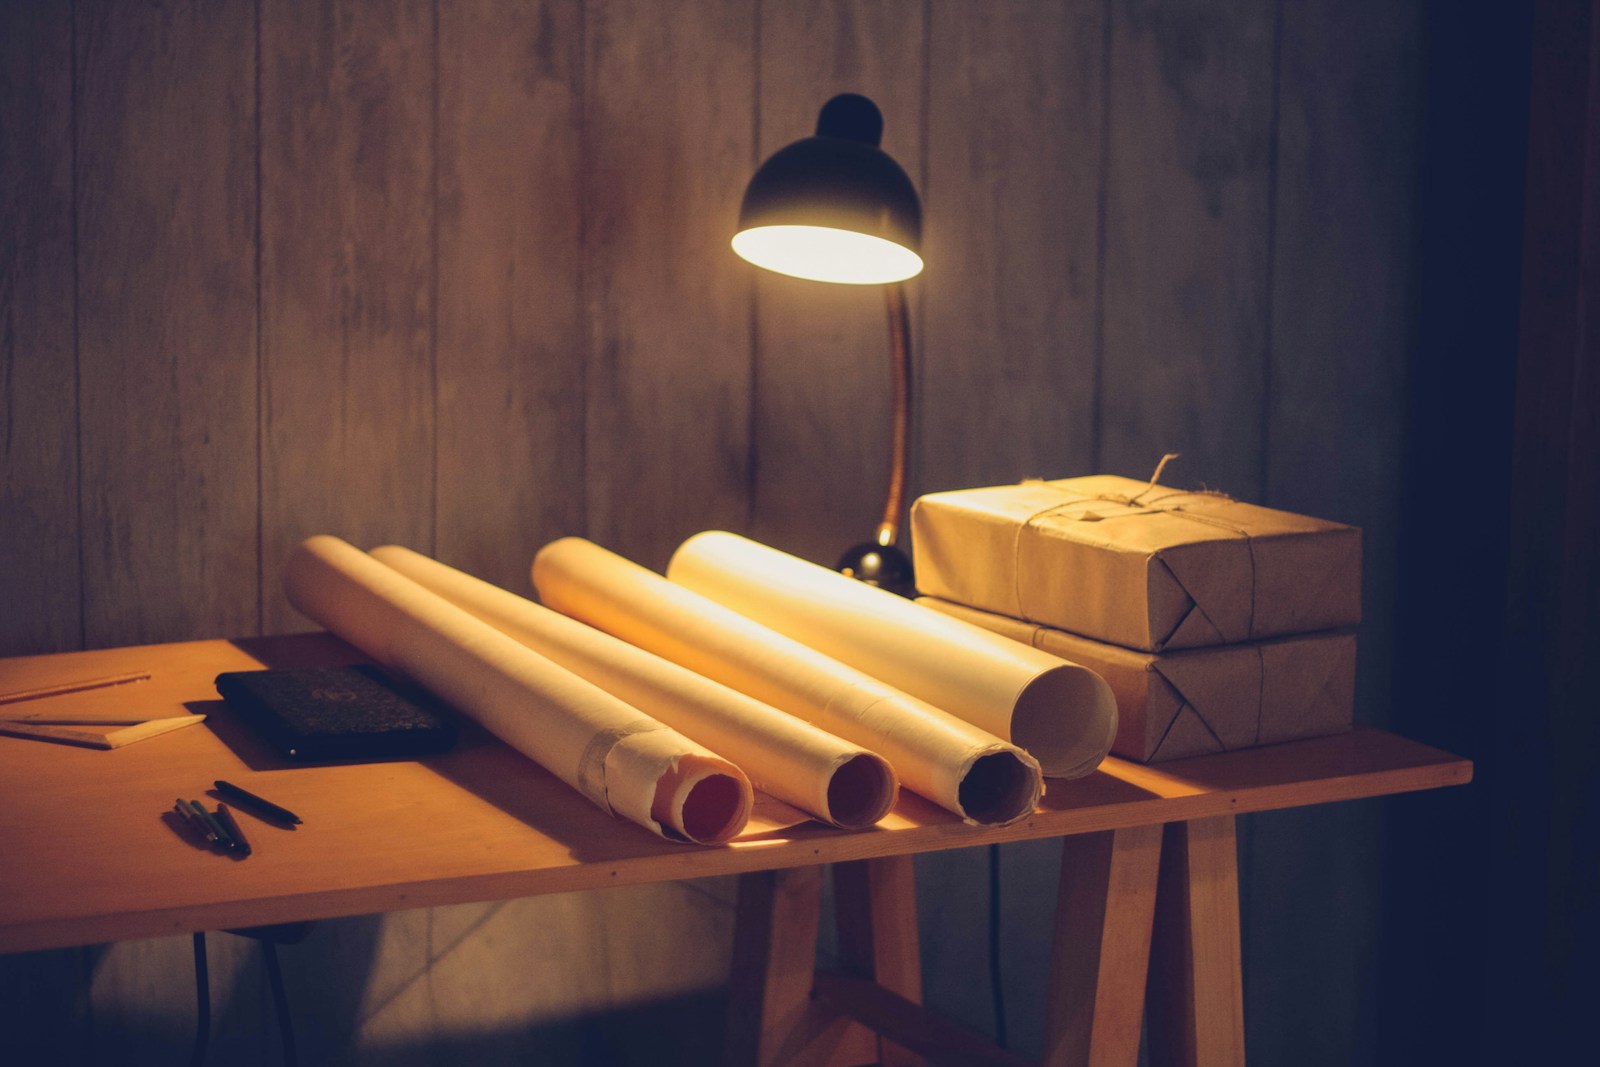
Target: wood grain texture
(1343, 282)
(1196, 1004)
(1186, 260)
(166, 312)
(487, 823)
(876, 911)
(668, 143)
(510, 337)
(347, 110)
(913, 1031)
(772, 1018)
(1343, 286)
(823, 393)
(1015, 134)
(663, 111)
(668, 95)
(1104, 915)
(38, 345)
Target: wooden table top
(87, 852)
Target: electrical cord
(202, 992)
(280, 996)
(280, 999)
(997, 990)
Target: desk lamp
(836, 208)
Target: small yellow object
(72, 735)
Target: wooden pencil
(72, 687)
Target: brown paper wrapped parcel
(1137, 564)
(1198, 701)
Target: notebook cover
(310, 714)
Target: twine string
(1138, 506)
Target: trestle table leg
(1104, 911)
(772, 1017)
(876, 902)
(1196, 995)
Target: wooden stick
(876, 911)
(66, 735)
(908, 1024)
(72, 687)
(128, 735)
(1195, 997)
(86, 718)
(154, 728)
(1104, 913)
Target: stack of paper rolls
(951, 762)
(839, 782)
(1063, 714)
(624, 761)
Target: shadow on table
(484, 766)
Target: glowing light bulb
(826, 254)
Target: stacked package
(1219, 625)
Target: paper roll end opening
(715, 809)
(999, 788)
(861, 791)
(1066, 719)
(703, 799)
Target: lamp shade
(834, 207)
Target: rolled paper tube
(624, 761)
(1062, 713)
(837, 781)
(953, 763)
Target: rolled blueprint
(624, 761)
(833, 779)
(952, 763)
(1063, 714)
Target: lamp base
(884, 566)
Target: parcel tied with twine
(1197, 701)
(1135, 563)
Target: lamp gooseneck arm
(900, 371)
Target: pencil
(72, 687)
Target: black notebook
(334, 713)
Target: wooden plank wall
(456, 276)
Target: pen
(261, 806)
(186, 813)
(230, 824)
(186, 808)
(210, 821)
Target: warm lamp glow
(825, 254)
(834, 207)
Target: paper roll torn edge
(995, 783)
(998, 788)
(697, 796)
(857, 788)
